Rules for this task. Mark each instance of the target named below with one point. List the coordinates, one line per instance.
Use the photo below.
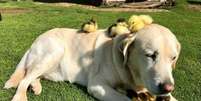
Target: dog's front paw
(10, 84)
(36, 87)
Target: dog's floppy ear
(120, 48)
(125, 45)
(178, 50)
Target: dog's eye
(173, 58)
(152, 56)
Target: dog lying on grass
(145, 58)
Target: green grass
(18, 31)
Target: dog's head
(151, 55)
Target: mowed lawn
(18, 31)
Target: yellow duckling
(138, 22)
(120, 27)
(122, 22)
(90, 26)
(146, 19)
(144, 97)
(148, 97)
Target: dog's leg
(38, 68)
(36, 86)
(18, 75)
(104, 92)
(15, 78)
(22, 88)
(29, 78)
(24, 84)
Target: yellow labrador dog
(145, 59)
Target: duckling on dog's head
(122, 22)
(136, 22)
(153, 52)
(120, 27)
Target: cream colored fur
(96, 61)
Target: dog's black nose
(166, 87)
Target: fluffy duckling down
(146, 19)
(145, 96)
(136, 22)
(120, 27)
(90, 26)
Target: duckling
(90, 26)
(162, 98)
(120, 27)
(138, 22)
(135, 23)
(146, 19)
(146, 96)
(122, 22)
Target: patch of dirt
(14, 10)
(129, 10)
(117, 9)
(195, 7)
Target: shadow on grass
(198, 2)
(3, 1)
(84, 2)
(84, 89)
